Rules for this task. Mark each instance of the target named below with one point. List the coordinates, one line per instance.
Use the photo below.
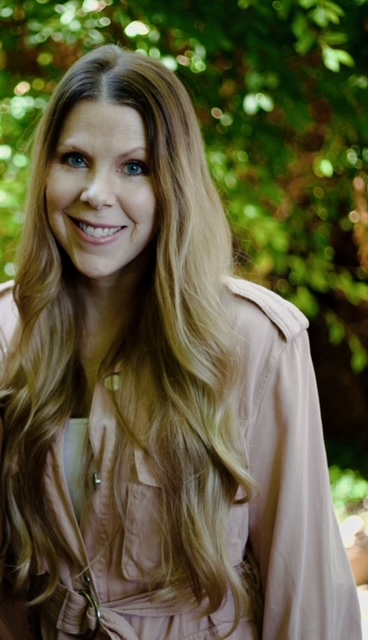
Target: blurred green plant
(281, 91)
(349, 491)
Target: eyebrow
(72, 146)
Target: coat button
(96, 480)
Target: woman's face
(99, 195)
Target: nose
(98, 192)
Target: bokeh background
(281, 92)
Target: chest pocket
(142, 553)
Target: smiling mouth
(98, 232)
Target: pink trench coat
(308, 589)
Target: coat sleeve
(15, 622)
(307, 584)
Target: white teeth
(98, 232)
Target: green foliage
(349, 490)
(281, 91)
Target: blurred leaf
(333, 57)
(304, 35)
(359, 355)
(349, 490)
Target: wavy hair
(185, 329)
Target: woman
(163, 448)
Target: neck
(115, 297)
(109, 306)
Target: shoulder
(8, 312)
(267, 326)
(263, 310)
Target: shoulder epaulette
(286, 316)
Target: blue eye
(135, 168)
(74, 160)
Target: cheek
(140, 206)
(59, 190)
(54, 204)
(56, 196)
(149, 205)
(51, 193)
(50, 207)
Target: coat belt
(78, 614)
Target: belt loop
(92, 602)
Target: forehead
(91, 121)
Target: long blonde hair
(185, 328)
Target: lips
(95, 231)
(98, 232)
